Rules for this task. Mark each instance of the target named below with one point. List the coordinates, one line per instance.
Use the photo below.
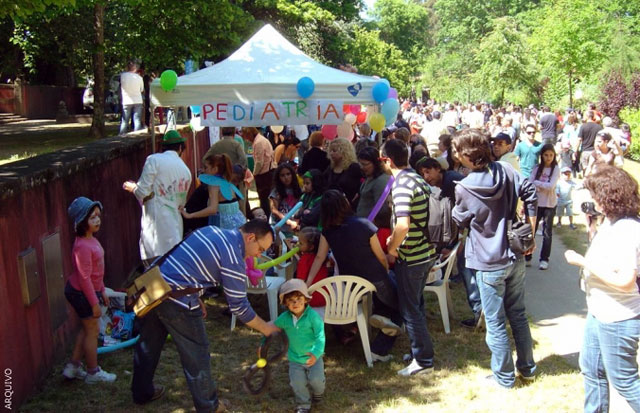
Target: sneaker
(71, 371)
(377, 357)
(99, 376)
(470, 323)
(491, 381)
(301, 410)
(572, 226)
(543, 265)
(414, 369)
(527, 379)
(385, 325)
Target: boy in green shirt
(305, 331)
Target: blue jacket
(485, 201)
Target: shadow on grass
(461, 360)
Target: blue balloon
(305, 87)
(390, 108)
(380, 92)
(195, 110)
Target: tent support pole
(152, 125)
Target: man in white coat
(162, 189)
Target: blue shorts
(79, 302)
(565, 210)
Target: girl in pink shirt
(85, 289)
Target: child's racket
(256, 380)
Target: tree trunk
(570, 90)
(97, 125)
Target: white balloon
(345, 130)
(195, 123)
(350, 118)
(276, 128)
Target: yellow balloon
(261, 363)
(376, 121)
(276, 128)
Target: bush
(632, 117)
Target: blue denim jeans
(502, 295)
(306, 382)
(609, 354)
(126, 117)
(470, 285)
(411, 280)
(382, 343)
(188, 333)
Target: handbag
(520, 236)
(148, 291)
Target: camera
(589, 208)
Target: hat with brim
(80, 208)
(292, 285)
(173, 136)
(565, 169)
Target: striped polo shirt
(410, 194)
(210, 256)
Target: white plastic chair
(441, 287)
(286, 269)
(268, 286)
(347, 299)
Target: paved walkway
(557, 306)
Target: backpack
(441, 229)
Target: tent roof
(266, 67)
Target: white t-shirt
(132, 88)
(616, 246)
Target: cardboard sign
(272, 112)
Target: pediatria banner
(272, 112)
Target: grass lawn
(35, 137)
(462, 361)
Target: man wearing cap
(208, 257)
(162, 189)
(501, 147)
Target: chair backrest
(342, 294)
(448, 263)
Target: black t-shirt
(548, 126)
(348, 181)
(449, 180)
(315, 158)
(350, 244)
(588, 132)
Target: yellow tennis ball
(261, 363)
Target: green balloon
(168, 80)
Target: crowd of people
(494, 167)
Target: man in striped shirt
(209, 256)
(414, 255)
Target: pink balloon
(393, 93)
(355, 109)
(329, 131)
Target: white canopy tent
(266, 67)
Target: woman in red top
(85, 289)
